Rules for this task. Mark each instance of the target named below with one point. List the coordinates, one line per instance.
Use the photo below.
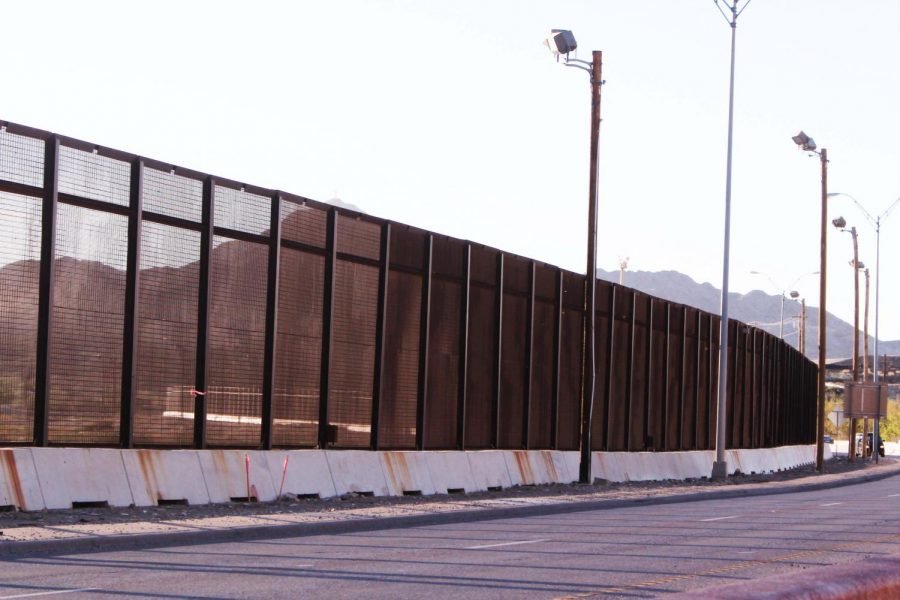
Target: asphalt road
(634, 552)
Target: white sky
(452, 116)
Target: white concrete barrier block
(489, 469)
(572, 458)
(564, 474)
(76, 475)
(357, 471)
(406, 473)
(307, 472)
(225, 473)
(529, 467)
(450, 471)
(157, 476)
(19, 484)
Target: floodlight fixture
(840, 222)
(795, 294)
(805, 142)
(561, 41)
(860, 265)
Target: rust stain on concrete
(524, 466)
(8, 459)
(146, 459)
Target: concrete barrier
(160, 476)
(488, 469)
(307, 473)
(19, 485)
(406, 473)
(38, 478)
(450, 471)
(358, 471)
(72, 476)
(225, 473)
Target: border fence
(147, 305)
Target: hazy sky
(451, 115)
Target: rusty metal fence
(144, 304)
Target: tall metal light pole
(720, 466)
(784, 291)
(561, 42)
(876, 223)
(808, 144)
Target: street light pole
(720, 466)
(561, 42)
(808, 144)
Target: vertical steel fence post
(132, 288)
(498, 356)
(45, 299)
(557, 354)
(529, 357)
(380, 332)
(463, 350)
(325, 439)
(203, 305)
(424, 330)
(710, 389)
(732, 417)
(270, 344)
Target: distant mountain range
(755, 308)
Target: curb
(106, 543)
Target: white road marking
(746, 551)
(498, 545)
(893, 495)
(53, 593)
(831, 504)
(718, 518)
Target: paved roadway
(635, 552)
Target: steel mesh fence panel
(93, 176)
(443, 364)
(639, 354)
(656, 402)
(512, 371)
(237, 321)
(241, 210)
(20, 254)
(747, 388)
(86, 340)
(358, 237)
(448, 257)
(570, 363)
(689, 405)
(675, 379)
(166, 193)
(542, 362)
(21, 159)
(298, 353)
(603, 304)
(400, 377)
(352, 352)
(716, 322)
(167, 336)
(480, 374)
(703, 383)
(619, 417)
(303, 224)
(735, 384)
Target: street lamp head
(561, 41)
(840, 222)
(795, 294)
(860, 265)
(805, 142)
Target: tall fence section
(148, 305)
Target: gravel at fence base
(60, 524)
